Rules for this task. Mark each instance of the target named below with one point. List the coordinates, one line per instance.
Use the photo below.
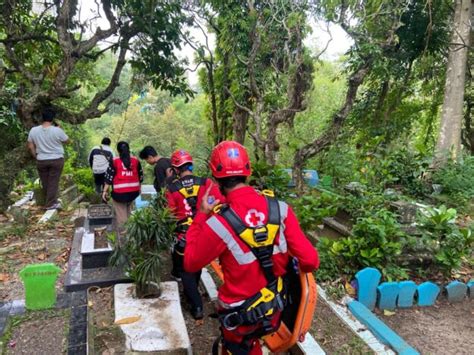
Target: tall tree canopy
(48, 52)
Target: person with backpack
(100, 158)
(125, 176)
(256, 238)
(184, 196)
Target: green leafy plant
(267, 177)
(376, 241)
(149, 233)
(449, 243)
(311, 209)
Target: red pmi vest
(126, 180)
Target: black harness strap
(263, 254)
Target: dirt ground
(23, 244)
(442, 329)
(38, 333)
(332, 335)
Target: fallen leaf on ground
(386, 312)
(199, 322)
(4, 277)
(90, 304)
(128, 320)
(42, 256)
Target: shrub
(449, 243)
(311, 209)
(149, 232)
(266, 177)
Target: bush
(149, 232)
(84, 180)
(449, 243)
(457, 180)
(376, 241)
(311, 209)
(266, 177)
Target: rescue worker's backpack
(101, 161)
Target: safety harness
(189, 188)
(260, 308)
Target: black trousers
(190, 280)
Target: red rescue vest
(126, 180)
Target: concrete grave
(78, 278)
(93, 257)
(456, 291)
(158, 323)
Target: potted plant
(149, 233)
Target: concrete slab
(310, 346)
(380, 329)
(160, 326)
(26, 198)
(48, 215)
(209, 284)
(87, 245)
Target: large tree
(48, 53)
(449, 137)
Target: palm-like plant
(149, 232)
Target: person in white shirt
(45, 143)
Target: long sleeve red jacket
(211, 237)
(178, 204)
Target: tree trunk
(449, 137)
(325, 139)
(11, 165)
(240, 118)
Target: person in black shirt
(163, 172)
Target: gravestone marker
(427, 293)
(456, 291)
(406, 294)
(367, 281)
(388, 293)
(470, 286)
(40, 282)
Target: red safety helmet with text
(229, 158)
(180, 157)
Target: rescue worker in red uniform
(252, 235)
(184, 197)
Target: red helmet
(180, 157)
(229, 158)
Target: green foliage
(449, 243)
(376, 241)
(457, 180)
(311, 209)
(84, 180)
(149, 233)
(266, 177)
